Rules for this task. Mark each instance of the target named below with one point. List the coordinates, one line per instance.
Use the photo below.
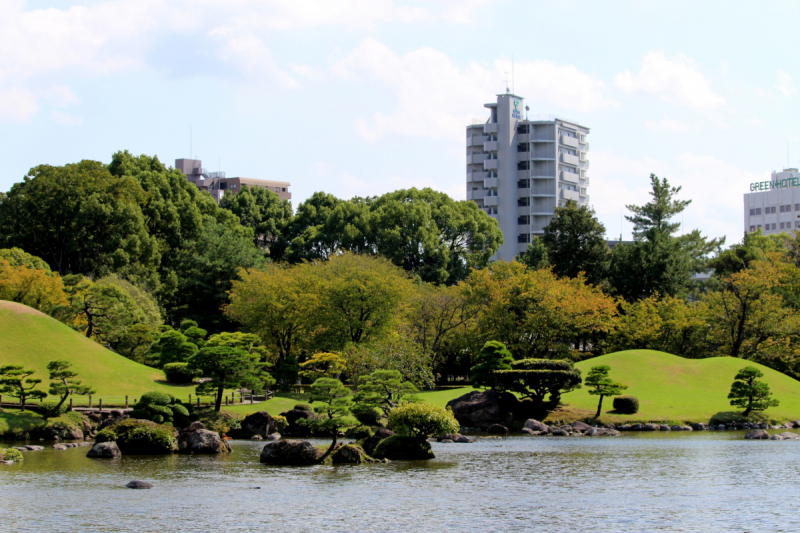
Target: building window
(797, 207)
(223, 185)
(797, 223)
(567, 133)
(283, 189)
(757, 211)
(523, 238)
(752, 228)
(786, 208)
(523, 147)
(571, 170)
(773, 224)
(524, 220)
(522, 165)
(523, 202)
(782, 223)
(277, 189)
(569, 151)
(233, 185)
(770, 210)
(522, 128)
(522, 184)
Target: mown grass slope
(33, 339)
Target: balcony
(572, 142)
(570, 159)
(570, 177)
(490, 201)
(477, 158)
(583, 193)
(476, 195)
(490, 164)
(491, 183)
(570, 195)
(477, 176)
(490, 128)
(476, 140)
(490, 146)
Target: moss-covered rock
(358, 432)
(400, 448)
(10, 455)
(288, 452)
(370, 443)
(140, 437)
(351, 454)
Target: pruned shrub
(139, 437)
(179, 373)
(161, 408)
(358, 432)
(10, 455)
(421, 420)
(46, 407)
(366, 414)
(222, 422)
(280, 423)
(626, 405)
(302, 406)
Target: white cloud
(784, 84)
(437, 98)
(667, 124)
(249, 55)
(65, 119)
(411, 14)
(462, 11)
(677, 81)
(756, 122)
(61, 96)
(17, 104)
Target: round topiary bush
(161, 408)
(366, 415)
(179, 373)
(358, 433)
(420, 420)
(139, 437)
(10, 455)
(302, 406)
(626, 405)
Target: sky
(362, 97)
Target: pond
(711, 481)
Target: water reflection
(713, 481)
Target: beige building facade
(218, 185)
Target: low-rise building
(774, 206)
(218, 185)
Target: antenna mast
(513, 89)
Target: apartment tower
(520, 168)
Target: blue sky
(362, 97)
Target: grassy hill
(33, 339)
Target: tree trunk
(330, 448)
(218, 400)
(599, 407)
(22, 401)
(54, 411)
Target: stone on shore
(583, 427)
(484, 408)
(535, 425)
(788, 435)
(290, 452)
(399, 448)
(650, 427)
(104, 450)
(273, 436)
(195, 438)
(369, 444)
(59, 446)
(455, 437)
(757, 434)
(139, 485)
(351, 454)
(260, 423)
(497, 429)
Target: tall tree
(64, 383)
(576, 242)
(34, 287)
(749, 392)
(493, 356)
(227, 368)
(16, 381)
(265, 213)
(535, 257)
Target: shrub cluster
(280, 423)
(358, 433)
(366, 414)
(162, 408)
(302, 406)
(179, 373)
(10, 455)
(139, 437)
(222, 422)
(627, 405)
(421, 420)
(47, 406)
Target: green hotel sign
(775, 184)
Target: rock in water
(260, 423)
(351, 454)
(139, 485)
(535, 425)
(201, 440)
(370, 443)
(583, 427)
(757, 434)
(497, 429)
(59, 447)
(294, 429)
(290, 452)
(104, 450)
(398, 448)
(455, 437)
(482, 409)
(274, 436)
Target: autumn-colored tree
(323, 365)
(34, 287)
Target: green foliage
(493, 356)
(393, 352)
(535, 257)
(626, 405)
(535, 378)
(11, 454)
(366, 415)
(302, 406)
(17, 257)
(576, 242)
(600, 384)
(749, 392)
(222, 422)
(64, 384)
(172, 347)
(179, 373)
(280, 422)
(421, 420)
(227, 368)
(323, 364)
(139, 437)
(161, 408)
(51, 408)
(358, 432)
(265, 213)
(288, 371)
(15, 381)
(335, 402)
(384, 389)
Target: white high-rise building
(520, 168)
(774, 206)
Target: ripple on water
(701, 482)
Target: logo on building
(515, 112)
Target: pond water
(711, 481)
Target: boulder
(497, 429)
(604, 432)
(535, 425)
(699, 427)
(583, 427)
(650, 427)
(59, 446)
(558, 432)
(776, 437)
(664, 427)
(294, 429)
(260, 423)
(104, 450)
(256, 437)
(370, 443)
(398, 448)
(33, 448)
(757, 434)
(686, 428)
(73, 434)
(139, 485)
(788, 435)
(352, 454)
(637, 427)
(455, 437)
(447, 441)
(290, 452)
(625, 427)
(201, 440)
(484, 408)
(529, 431)
(274, 436)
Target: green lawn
(33, 339)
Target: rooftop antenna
(788, 164)
(190, 143)
(507, 89)
(526, 112)
(513, 89)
